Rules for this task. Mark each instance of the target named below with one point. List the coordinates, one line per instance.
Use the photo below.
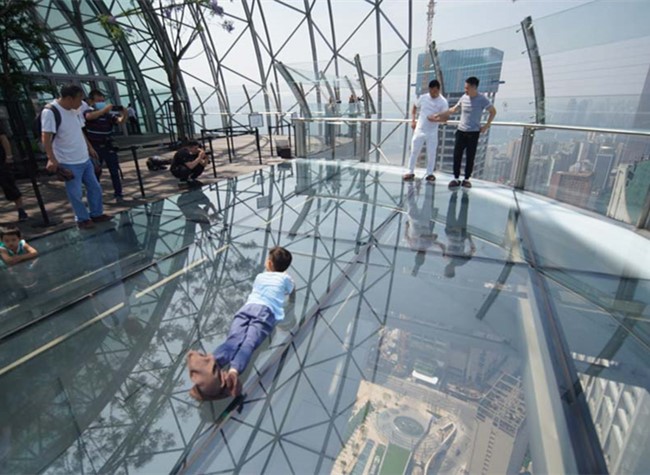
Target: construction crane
(427, 67)
(430, 13)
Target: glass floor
(478, 331)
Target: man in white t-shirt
(68, 149)
(425, 129)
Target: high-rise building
(638, 148)
(629, 191)
(572, 187)
(539, 173)
(603, 165)
(456, 66)
(621, 413)
(498, 445)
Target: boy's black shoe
(231, 378)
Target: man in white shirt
(425, 129)
(68, 149)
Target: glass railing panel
(389, 142)
(616, 56)
(595, 171)
(496, 155)
(562, 244)
(495, 158)
(568, 241)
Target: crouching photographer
(189, 163)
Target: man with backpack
(69, 151)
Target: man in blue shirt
(471, 105)
(251, 325)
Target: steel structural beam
(61, 54)
(527, 136)
(258, 52)
(312, 41)
(409, 63)
(73, 16)
(295, 89)
(536, 69)
(214, 64)
(164, 46)
(133, 73)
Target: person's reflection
(418, 230)
(102, 252)
(197, 208)
(456, 250)
(333, 178)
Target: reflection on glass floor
(421, 321)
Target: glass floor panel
(414, 343)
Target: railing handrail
(529, 125)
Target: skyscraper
(621, 413)
(456, 66)
(638, 148)
(572, 187)
(605, 159)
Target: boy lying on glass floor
(252, 323)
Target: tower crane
(430, 13)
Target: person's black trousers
(183, 173)
(465, 141)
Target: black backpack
(36, 125)
(156, 163)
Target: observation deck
(478, 313)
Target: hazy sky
(461, 18)
(582, 48)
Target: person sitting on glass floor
(188, 163)
(14, 249)
(252, 323)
